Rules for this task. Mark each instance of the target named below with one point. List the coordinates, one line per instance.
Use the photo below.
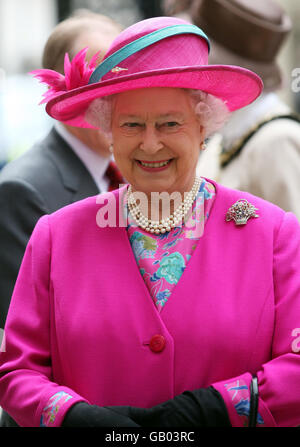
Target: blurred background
(24, 28)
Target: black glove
(200, 408)
(85, 415)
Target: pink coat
(81, 318)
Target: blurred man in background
(70, 164)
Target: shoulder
(45, 173)
(274, 230)
(32, 167)
(20, 182)
(278, 131)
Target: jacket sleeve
(21, 206)
(27, 391)
(279, 378)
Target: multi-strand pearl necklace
(166, 224)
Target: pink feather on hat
(77, 74)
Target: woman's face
(156, 138)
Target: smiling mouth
(156, 164)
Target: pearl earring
(111, 148)
(203, 146)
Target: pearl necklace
(166, 224)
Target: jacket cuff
(236, 395)
(53, 408)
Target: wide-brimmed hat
(156, 52)
(249, 33)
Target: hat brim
(270, 72)
(235, 85)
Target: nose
(151, 142)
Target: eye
(131, 125)
(171, 124)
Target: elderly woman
(133, 311)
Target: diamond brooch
(241, 211)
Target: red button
(157, 343)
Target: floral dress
(163, 258)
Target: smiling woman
(185, 319)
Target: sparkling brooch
(241, 211)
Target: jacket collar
(74, 174)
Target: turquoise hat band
(139, 44)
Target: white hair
(211, 111)
(99, 114)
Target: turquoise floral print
(163, 258)
(143, 246)
(162, 298)
(50, 411)
(171, 268)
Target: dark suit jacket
(44, 179)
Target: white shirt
(95, 163)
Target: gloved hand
(200, 408)
(85, 415)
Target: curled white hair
(211, 111)
(99, 114)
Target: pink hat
(156, 52)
